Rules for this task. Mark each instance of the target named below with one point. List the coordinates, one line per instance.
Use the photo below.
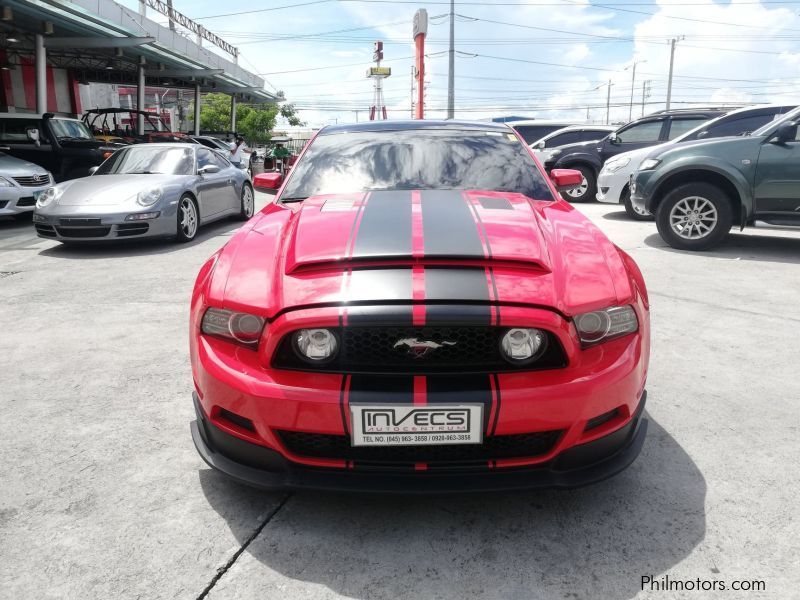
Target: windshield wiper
(294, 199)
(73, 137)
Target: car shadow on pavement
(594, 542)
(621, 215)
(126, 248)
(743, 246)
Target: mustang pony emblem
(419, 348)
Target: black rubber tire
(181, 237)
(591, 189)
(717, 197)
(243, 213)
(626, 202)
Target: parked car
(146, 190)
(19, 181)
(567, 136)
(110, 124)
(533, 130)
(614, 178)
(698, 191)
(382, 326)
(64, 147)
(659, 127)
(222, 146)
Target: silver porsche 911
(146, 190)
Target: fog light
(316, 345)
(523, 345)
(143, 216)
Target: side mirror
(33, 135)
(208, 169)
(566, 179)
(540, 145)
(613, 139)
(786, 132)
(93, 170)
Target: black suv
(657, 128)
(63, 146)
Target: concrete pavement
(103, 496)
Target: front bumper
(87, 227)
(15, 200)
(610, 187)
(639, 190)
(264, 468)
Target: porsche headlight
(149, 197)
(615, 164)
(48, 196)
(603, 325)
(238, 327)
(649, 164)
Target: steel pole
(671, 63)
(608, 104)
(451, 94)
(197, 109)
(633, 84)
(233, 113)
(140, 87)
(41, 75)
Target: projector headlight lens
(522, 346)
(316, 345)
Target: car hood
(713, 146)
(438, 246)
(15, 167)
(110, 190)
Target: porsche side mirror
(208, 169)
(786, 132)
(93, 170)
(566, 179)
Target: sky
(541, 59)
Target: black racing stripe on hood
(371, 286)
(456, 284)
(462, 389)
(448, 225)
(385, 228)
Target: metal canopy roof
(172, 60)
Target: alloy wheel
(247, 201)
(693, 218)
(188, 218)
(580, 190)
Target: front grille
(83, 232)
(3, 203)
(475, 349)
(33, 180)
(129, 229)
(26, 201)
(79, 222)
(337, 447)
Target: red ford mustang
(419, 311)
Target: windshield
(64, 129)
(149, 160)
(416, 159)
(790, 116)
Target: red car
(419, 310)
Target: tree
(254, 122)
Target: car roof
(410, 124)
(35, 116)
(563, 122)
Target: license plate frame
(416, 424)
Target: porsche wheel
(694, 216)
(247, 202)
(634, 212)
(188, 219)
(586, 191)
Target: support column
(197, 109)
(140, 96)
(41, 75)
(233, 113)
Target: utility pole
(645, 93)
(633, 85)
(413, 75)
(608, 103)
(672, 43)
(451, 95)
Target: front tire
(188, 219)
(633, 212)
(247, 199)
(587, 191)
(694, 216)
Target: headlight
(615, 164)
(649, 163)
(149, 197)
(5, 182)
(242, 328)
(48, 196)
(602, 325)
(522, 346)
(315, 345)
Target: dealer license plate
(416, 425)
